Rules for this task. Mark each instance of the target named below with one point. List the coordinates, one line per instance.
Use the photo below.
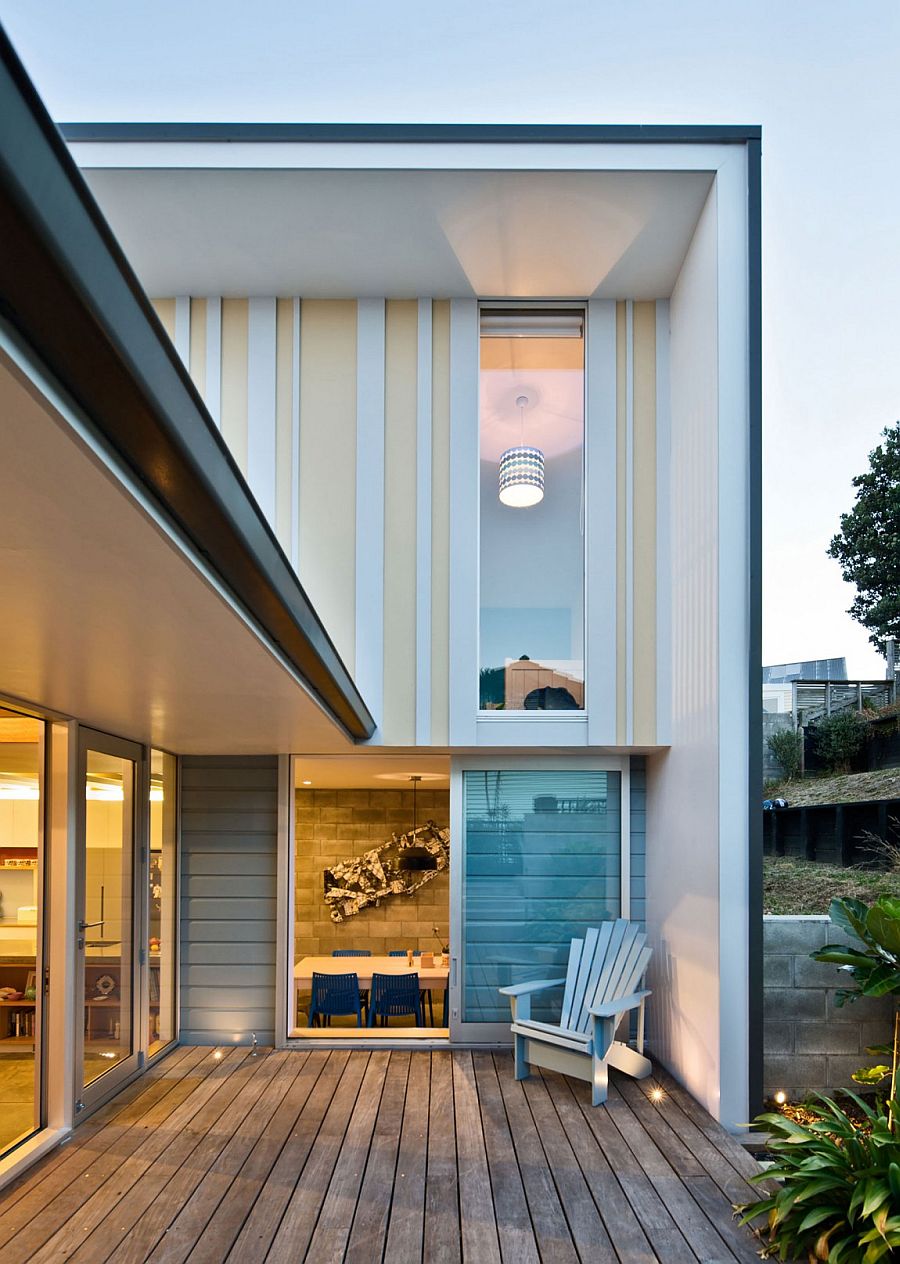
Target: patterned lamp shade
(522, 477)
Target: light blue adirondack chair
(603, 983)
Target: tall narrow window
(531, 653)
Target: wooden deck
(363, 1156)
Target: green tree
(868, 544)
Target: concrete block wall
(810, 1045)
(333, 825)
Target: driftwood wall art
(356, 884)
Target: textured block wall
(333, 825)
(810, 1044)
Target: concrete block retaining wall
(810, 1044)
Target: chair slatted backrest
(609, 962)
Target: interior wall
(334, 825)
(682, 798)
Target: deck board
(362, 1156)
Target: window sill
(534, 717)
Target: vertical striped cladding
(283, 379)
(400, 508)
(229, 812)
(440, 524)
(328, 466)
(638, 822)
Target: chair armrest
(524, 989)
(608, 1009)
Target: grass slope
(792, 886)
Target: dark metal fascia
(417, 133)
(69, 292)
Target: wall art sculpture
(399, 867)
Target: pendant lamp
(416, 857)
(522, 469)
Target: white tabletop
(365, 967)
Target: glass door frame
(498, 1033)
(88, 1097)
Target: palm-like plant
(840, 1197)
(874, 967)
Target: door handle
(86, 925)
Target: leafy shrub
(840, 1198)
(874, 967)
(839, 738)
(787, 747)
(840, 1194)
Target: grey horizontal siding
(229, 821)
(638, 819)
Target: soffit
(107, 620)
(401, 233)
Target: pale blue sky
(821, 77)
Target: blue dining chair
(417, 952)
(355, 952)
(394, 995)
(334, 995)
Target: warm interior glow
(522, 495)
(109, 794)
(9, 790)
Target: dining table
(435, 976)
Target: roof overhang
(72, 303)
(348, 211)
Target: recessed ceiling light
(307, 783)
(405, 776)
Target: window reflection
(542, 862)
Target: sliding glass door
(541, 860)
(108, 1042)
(21, 925)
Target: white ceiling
(403, 233)
(371, 771)
(106, 620)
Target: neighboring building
(810, 669)
(436, 455)
(777, 699)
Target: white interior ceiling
(106, 620)
(371, 772)
(402, 233)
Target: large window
(543, 860)
(531, 653)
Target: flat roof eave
(71, 296)
(417, 133)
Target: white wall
(697, 842)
